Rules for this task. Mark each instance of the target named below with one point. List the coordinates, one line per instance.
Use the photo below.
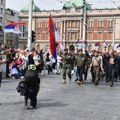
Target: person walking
(80, 61)
(68, 62)
(96, 65)
(111, 67)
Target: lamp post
(30, 24)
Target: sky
(56, 4)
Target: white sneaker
(22, 77)
(28, 104)
(64, 81)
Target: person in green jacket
(68, 63)
(80, 61)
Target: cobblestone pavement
(62, 102)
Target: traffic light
(33, 36)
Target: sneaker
(115, 80)
(96, 83)
(64, 81)
(31, 107)
(78, 82)
(28, 104)
(13, 78)
(81, 82)
(111, 85)
(22, 77)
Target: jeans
(76, 73)
(111, 73)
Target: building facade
(77, 21)
(2, 19)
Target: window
(46, 24)
(91, 24)
(73, 24)
(90, 36)
(39, 25)
(100, 36)
(0, 19)
(110, 36)
(100, 24)
(110, 24)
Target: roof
(76, 4)
(26, 8)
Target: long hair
(30, 60)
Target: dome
(118, 7)
(26, 8)
(76, 4)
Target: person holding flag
(52, 38)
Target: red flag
(52, 37)
(16, 23)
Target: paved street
(62, 102)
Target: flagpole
(113, 31)
(30, 24)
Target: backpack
(21, 88)
(31, 74)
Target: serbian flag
(52, 37)
(57, 37)
(13, 27)
(105, 44)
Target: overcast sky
(56, 4)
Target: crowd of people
(102, 65)
(22, 64)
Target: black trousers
(80, 73)
(31, 93)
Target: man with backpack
(32, 81)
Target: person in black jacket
(111, 66)
(105, 65)
(33, 83)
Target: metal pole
(113, 42)
(84, 22)
(4, 23)
(30, 25)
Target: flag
(60, 47)
(81, 44)
(97, 44)
(52, 38)
(13, 27)
(105, 44)
(57, 37)
(118, 45)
